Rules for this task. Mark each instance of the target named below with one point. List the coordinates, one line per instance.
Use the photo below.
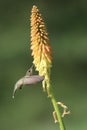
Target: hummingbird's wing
(32, 79)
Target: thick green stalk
(57, 111)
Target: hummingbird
(28, 79)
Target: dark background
(67, 26)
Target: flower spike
(40, 46)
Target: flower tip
(34, 6)
(34, 9)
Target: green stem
(57, 111)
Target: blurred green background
(67, 26)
